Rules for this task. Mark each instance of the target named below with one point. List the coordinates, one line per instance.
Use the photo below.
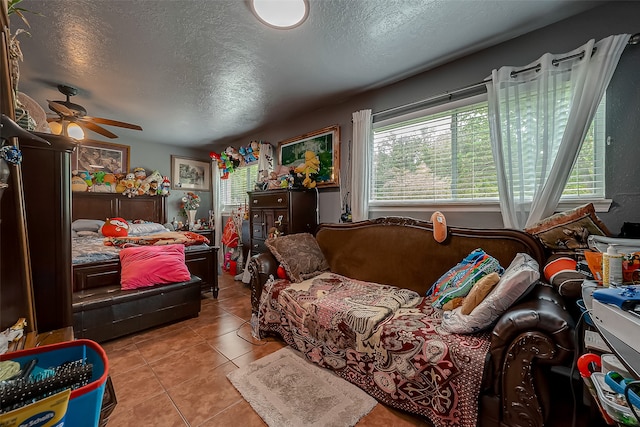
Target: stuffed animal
(77, 183)
(310, 167)
(143, 188)
(87, 177)
(139, 175)
(165, 186)
(129, 185)
(115, 227)
(153, 188)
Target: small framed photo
(325, 143)
(190, 174)
(94, 156)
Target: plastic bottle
(611, 267)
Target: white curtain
(217, 206)
(538, 120)
(361, 151)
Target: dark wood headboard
(87, 205)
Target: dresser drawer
(258, 246)
(277, 199)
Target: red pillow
(115, 227)
(151, 265)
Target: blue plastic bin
(85, 402)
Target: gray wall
(158, 157)
(623, 115)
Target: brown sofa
(533, 335)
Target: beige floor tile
(183, 365)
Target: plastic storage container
(619, 413)
(84, 402)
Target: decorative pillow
(86, 225)
(561, 272)
(115, 227)
(479, 291)
(521, 275)
(457, 282)
(299, 254)
(87, 234)
(146, 228)
(569, 230)
(144, 266)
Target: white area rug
(287, 390)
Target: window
(233, 191)
(443, 155)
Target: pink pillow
(151, 265)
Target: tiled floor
(176, 375)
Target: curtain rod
(633, 40)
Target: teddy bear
(129, 184)
(139, 175)
(310, 167)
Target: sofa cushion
(457, 282)
(299, 254)
(151, 265)
(517, 280)
(568, 231)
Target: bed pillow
(136, 229)
(457, 282)
(299, 254)
(568, 231)
(521, 275)
(144, 266)
(86, 225)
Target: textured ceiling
(194, 72)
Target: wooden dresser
(295, 210)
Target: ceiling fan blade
(112, 122)
(60, 108)
(97, 129)
(53, 119)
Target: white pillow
(516, 281)
(87, 225)
(146, 228)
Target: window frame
(251, 180)
(601, 204)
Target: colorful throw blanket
(186, 238)
(383, 339)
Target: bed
(97, 297)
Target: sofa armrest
(537, 331)
(261, 266)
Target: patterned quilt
(384, 339)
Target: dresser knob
(280, 200)
(255, 246)
(255, 201)
(255, 215)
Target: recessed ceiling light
(281, 14)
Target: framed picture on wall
(190, 174)
(325, 143)
(94, 156)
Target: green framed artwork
(325, 143)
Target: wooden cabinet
(294, 210)
(46, 172)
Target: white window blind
(445, 156)
(233, 191)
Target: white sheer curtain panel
(539, 116)
(217, 213)
(361, 151)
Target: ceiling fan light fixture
(281, 14)
(67, 129)
(75, 131)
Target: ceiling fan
(68, 113)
